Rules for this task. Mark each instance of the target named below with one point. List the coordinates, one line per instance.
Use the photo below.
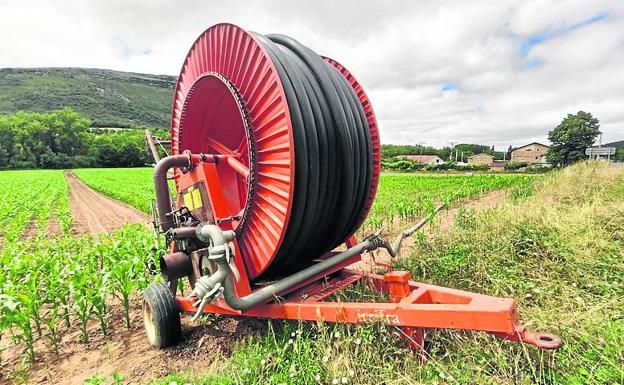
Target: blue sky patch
(533, 62)
(449, 87)
(532, 40)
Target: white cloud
(403, 52)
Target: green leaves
(53, 286)
(571, 137)
(134, 186)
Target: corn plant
(13, 315)
(80, 290)
(97, 297)
(123, 284)
(54, 296)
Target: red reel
(229, 100)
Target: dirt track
(128, 352)
(94, 212)
(124, 350)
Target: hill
(109, 98)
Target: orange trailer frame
(413, 306)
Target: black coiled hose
(333, 154)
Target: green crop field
(53, 284)
(408, 196)
(31, 197)
(420, 193)
(555, 244)
(134, 186)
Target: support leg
(397, 283)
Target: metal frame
(413, 306)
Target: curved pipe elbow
(161, 186)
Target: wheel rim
(148, 322)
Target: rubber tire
(161, 316)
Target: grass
(560, 253)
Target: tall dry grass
(558, 248)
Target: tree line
(63, 139)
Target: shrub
(395, 164)
(512, 166)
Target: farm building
(498, 165)
(481, 158)
(425, 159)
(532, 153)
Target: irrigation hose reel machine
(275, 154)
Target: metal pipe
(237, 166)
(394, 249)
(206, 232)
(207, 287)
(271, 291)
(184, 232)
(152, 145)
(175, 265)
(163, 197)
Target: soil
(53, 228)
(444, 222)
(128, 352)
(30, 231)
(94, 212)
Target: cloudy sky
(495, 72)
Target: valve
(209, 287)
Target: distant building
(532, 153)
(481, 158)
(498, 165)
(425, 159)
(618, 144)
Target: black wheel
(161, 316)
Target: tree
(471, 149)
(508, 154)
(571, 137)
(62, 139)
